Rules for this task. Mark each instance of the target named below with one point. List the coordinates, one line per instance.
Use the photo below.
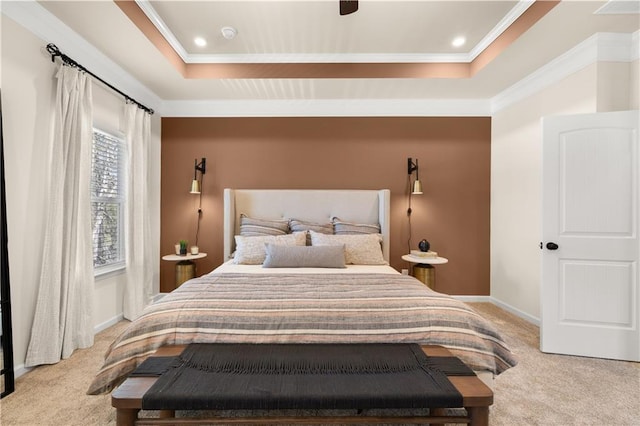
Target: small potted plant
(183, 247)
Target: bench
(477, 397)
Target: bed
(248, 303)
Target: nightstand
(186, 267)
(423, 269)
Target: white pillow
(362, 249)
(252, 250)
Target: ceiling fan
(348, 6)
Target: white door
(589, 291)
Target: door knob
(552, 246)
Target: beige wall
(516, 158)
(351, 153)
(634, 85)
(28, 91)
(613, 86)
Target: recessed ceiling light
(458, 41)
(228, 32)
(199, 41)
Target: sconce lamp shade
(195, 187)
(202, 168)
(417, 187)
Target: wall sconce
(417, 186)
(196, 188)
(414, 189)
(202, 167)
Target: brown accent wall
(338, 153)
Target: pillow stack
(282, 243)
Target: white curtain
(63, 318)
(138, 288)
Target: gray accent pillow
(303, 225)
(251, 226)
(304, 256)
(297, 225)
(349, 228)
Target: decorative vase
(424, 245)
(178, 249)
(194, 250)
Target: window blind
(107, 199)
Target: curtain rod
(54, 51)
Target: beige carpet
(546, 389)
(542, 390)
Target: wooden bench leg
(478, 416)
(437, 412)
(126, 416)
(167, 414)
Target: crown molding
(157, 21)
(329, 108)
(44, 25)
(616, 47)
(501, 27)
(330, 58)
(600, 47)
(618, 7)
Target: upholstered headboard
(318, 205)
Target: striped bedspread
(305, 308)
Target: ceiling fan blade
(348, 6)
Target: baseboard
(490, 299)
(20, 370)
(515, 311)
(472, 299)
(113, 321)
(103, 326)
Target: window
(107, 202)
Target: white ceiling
(312, 31)
(315, 27)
